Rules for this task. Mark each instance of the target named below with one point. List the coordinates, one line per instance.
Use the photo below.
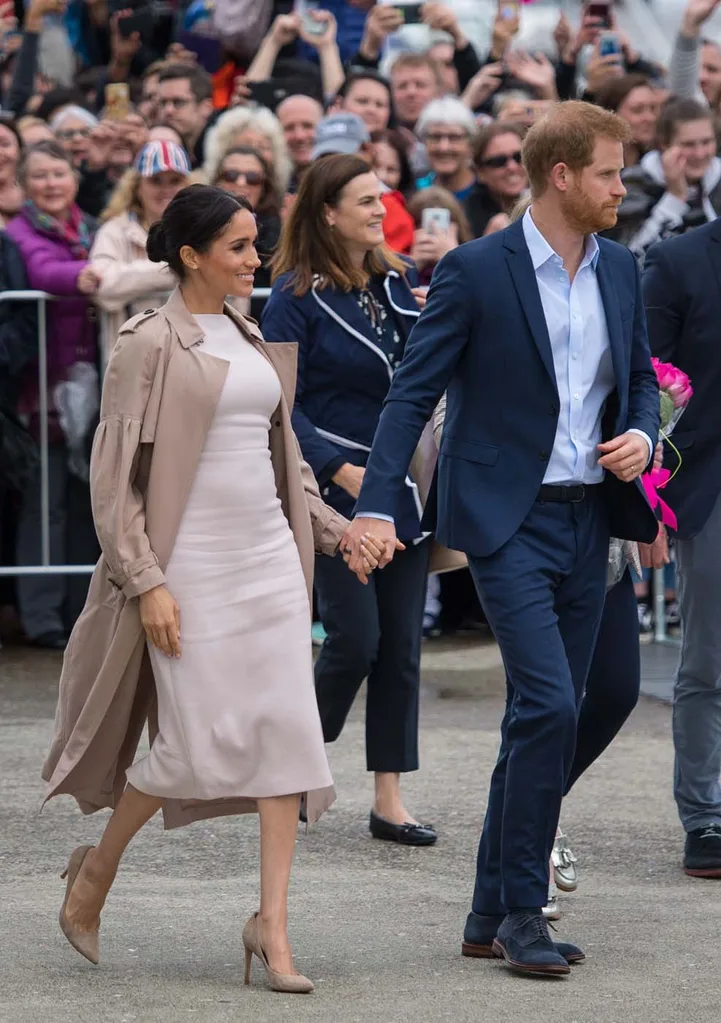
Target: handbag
(19, 455)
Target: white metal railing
(45, 567)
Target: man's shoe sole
(540, 970)
(708, 872)
(487, 952)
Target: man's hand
(101, 141)
(658, 456)
(601, 69)
(359, 530)
(442, 19)
(655, 555)
(382, 20)
(696, 13)
(625, 456)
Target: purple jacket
(71, 327)
(51, 267)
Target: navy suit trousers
(543, 595)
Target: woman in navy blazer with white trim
(347, 302)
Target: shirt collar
(541, 252)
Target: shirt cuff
(375, 515)
(651, 447)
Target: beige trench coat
(159, 400)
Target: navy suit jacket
(682, 292)
(483, 338)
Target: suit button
(277, 422)
(543, 455)
(553, 410)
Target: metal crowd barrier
(45, 567)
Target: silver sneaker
(551, 910)
(564, 864)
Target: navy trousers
(374, 632)
(543, 594)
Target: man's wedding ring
(347, 550)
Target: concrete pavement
(376, 926)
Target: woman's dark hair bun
(196, 216)
(155, 245)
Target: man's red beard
(587, 215)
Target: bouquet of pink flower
(676, 392)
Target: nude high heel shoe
(87, 943)
(289, 983)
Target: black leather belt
(568, 495)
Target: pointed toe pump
(289, 983)
(87, 943)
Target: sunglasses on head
(497, 162)
(250, 177)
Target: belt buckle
(581, 488)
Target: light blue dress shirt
(576, 323)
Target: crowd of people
(357, 162)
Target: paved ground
(377, 927)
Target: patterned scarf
(76, 232)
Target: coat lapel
(614, 326)
(521, 269)
(714, 253)
(342, 308)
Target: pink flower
(674, 382)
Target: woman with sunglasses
(244, 172)
(500, 178)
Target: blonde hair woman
(130, 283)
(249, 126)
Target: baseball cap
(340, 133)
(156, 157)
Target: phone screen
(117, 101)
(509, 10)
(609, 45)
(412, 13)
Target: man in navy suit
(682, 291)
(538, 336)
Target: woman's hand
(655, 555)
(421, 297)
(88, 281)
(498, 223)
(658, 456)
(160, 617)
(371, 551)
(483, 84)
(350, 478)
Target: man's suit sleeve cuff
(651, 446)
(376, 515)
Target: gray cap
(340, 133)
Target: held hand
(625, 456)
(658, 456)
(655, 555)
(361, 529)
(371, 550)
(160, 617)
(350, 478)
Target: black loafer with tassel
(404, 834)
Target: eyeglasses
(73, 133)
(177, 102)
(434, 137)
(250, 177)
(497, 162)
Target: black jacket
(480, 207)
(682, 293)
(18, 350)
